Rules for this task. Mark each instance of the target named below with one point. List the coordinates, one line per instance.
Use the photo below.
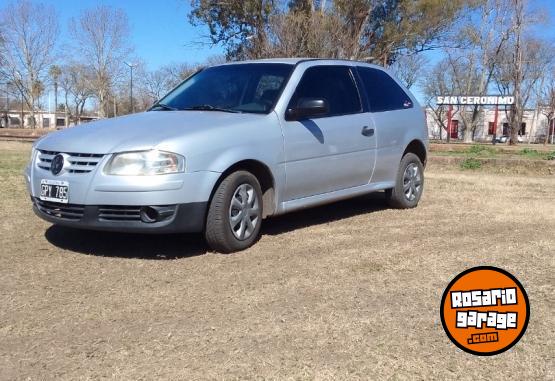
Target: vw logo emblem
(57, 164)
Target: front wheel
(235, 213)
(409, 183)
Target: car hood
(141, 131)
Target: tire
(409, 184)
(227, 226)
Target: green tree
(239, 25)
(381, 30)
(354, 29)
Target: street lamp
(7, 97)
(131, 66)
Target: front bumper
(91, 194)
(180, 218)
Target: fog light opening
(149, 214)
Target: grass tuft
(531, 153)
(471, 163)
(478, 149)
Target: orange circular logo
(485, 310)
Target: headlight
(145, 163)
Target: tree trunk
(518, 107)
(515, 122)
(468, 135)
(66, 118)
(55, 99)
(102, 103)
(33, 121)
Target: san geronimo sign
(473, 100)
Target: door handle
(367, 131)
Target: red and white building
(535, 127)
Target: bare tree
(438, 81)
(178, 72)
(408, 68)
(76, 80)
(2, 58)
(101, 37)
(482, 38)
(546, 103)
(523, 64)
(522, 79)
(27, 48)
(155, 84)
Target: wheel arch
(418, 148)
(264, 176)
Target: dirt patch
(24, 134)
(345, 291)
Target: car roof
(296, 61)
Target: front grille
(70, 212)
(78, 162)
(119, 213)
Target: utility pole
(6, 117)
(131, 66)
(55, 101)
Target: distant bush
(530, 152)
(477, 149)
(534, 154)
(471, 163)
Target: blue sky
(160, 30)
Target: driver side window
(267, 90)
(335, 84)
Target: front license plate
(54, 191)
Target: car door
(336, 150)
(394, 114)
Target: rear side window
(332, 83)
(384, 94)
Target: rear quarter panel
(396, 130)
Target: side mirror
(307, 108)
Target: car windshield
(248, 88)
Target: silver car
(235, 144)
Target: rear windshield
(249, 88)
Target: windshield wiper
(210, 108)
(162, 106)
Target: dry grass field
(346, 291)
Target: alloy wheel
(412, 182)
(244, 212)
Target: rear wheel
(409, 184)
(235, 213)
